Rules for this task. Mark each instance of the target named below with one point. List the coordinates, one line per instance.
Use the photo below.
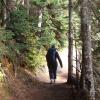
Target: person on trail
(51, 57)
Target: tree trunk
(3, 12)
(27, 4)
(70, 40)
(77, 62)
(87, 71)
(7, 7)
(40, 22)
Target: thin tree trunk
(87, 71)
(27, 5)
(3, 12)
(40, 22)
(70, 40)
(77, 62)
(82, 79)
(8, 10)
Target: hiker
(51, 57)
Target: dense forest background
(29, 27)
(23, 35)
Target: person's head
(53, 46)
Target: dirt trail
(25, 87)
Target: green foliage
(53, 31)
(48, 39)
(39, 3)
(5, 39)
(53, 26)
(24, 39)
(5, 35)
(19, 21)
(96, 45)
(35, 56)
(19, 25)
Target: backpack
(51, 55)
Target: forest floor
(26, 87)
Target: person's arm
(59, 59)
(47, 57)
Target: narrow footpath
(26, 87)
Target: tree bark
(7, 7)
(40, 22)
(87, 70)
(27, 5)
(3, 12)
(77, 62)
(70, 44)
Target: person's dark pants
(52, 72)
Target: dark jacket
(52, 62)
